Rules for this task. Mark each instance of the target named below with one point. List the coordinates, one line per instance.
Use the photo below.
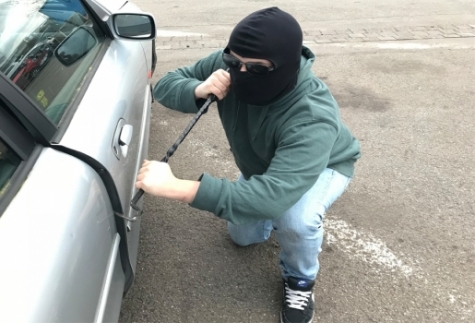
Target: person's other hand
(156, 178)
(218, 84)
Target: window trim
(101, 24)
(29, 114)
(18, 178)
(23, 144)
(11, 133)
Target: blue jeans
(300, 229)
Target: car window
(46, 48)
(9, 162)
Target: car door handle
(125, 138)
(122, 139)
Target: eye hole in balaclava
(270, 34)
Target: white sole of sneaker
(282, 319)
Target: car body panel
(48, 275)
(105, 7)
(108, 309)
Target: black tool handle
(187, 130)
(172, 149)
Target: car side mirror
(134, 26)
(75, 46)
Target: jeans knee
(303, 228)
(247, 235)
(238, 239)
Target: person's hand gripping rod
(173, 148)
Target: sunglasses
(252, 68)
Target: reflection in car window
(46, 49)
(9, 162)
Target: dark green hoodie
(280, 149)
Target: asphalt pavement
(399, 244)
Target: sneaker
(298, 303)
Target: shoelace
(296, 298)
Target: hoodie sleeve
(298, 161)
(176, 90)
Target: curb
(322, 36)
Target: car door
(70, 194)
(119, 99)
(59, 244)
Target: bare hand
(218, 84)
(156, 178)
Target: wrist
(197, 92)
(185, 190)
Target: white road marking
(453, 43)
(364, 246)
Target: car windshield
(46, 48)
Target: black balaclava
(270, 34)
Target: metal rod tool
(173, 148)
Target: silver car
(75, 101)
